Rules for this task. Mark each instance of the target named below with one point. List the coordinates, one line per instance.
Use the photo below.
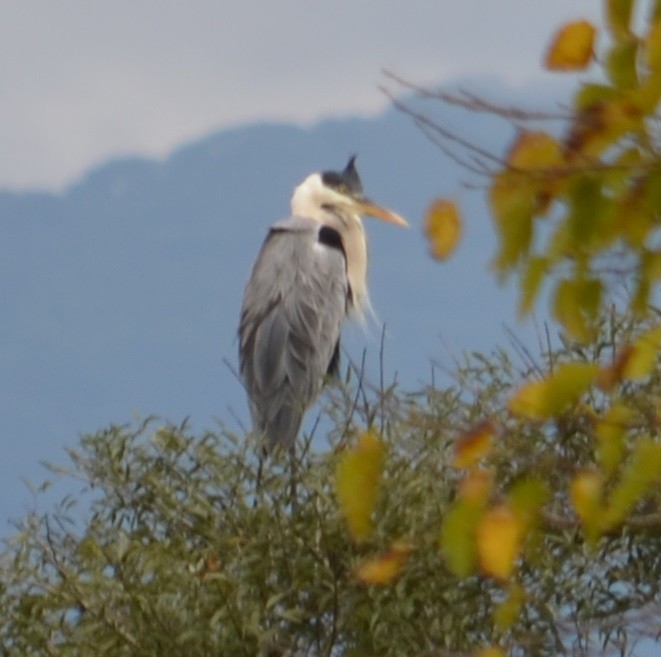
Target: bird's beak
(371, 209)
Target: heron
(310, 274)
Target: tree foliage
(486, 529)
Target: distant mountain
(121, 295)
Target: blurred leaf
(576, 304)
(542, 400)
(512, 199)
(357, 479)
(457, 538)
(590, 214)
(526, 498)
(571, 48)
(618, 17)
(610, 433)
(653, 47)
(640, 360)
(642, 472)
(474, 444)
(443, 228)
(507, 612)
(476, 486)
(634, 218)
(489, 652)
(585, 491)
(591, 95)
(499, 534)
(621, 63)
(531, 280)
(598, 126)
(634, 361)
(651, 265)
(534, 151)
(384, 568)
(610, 376)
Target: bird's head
(339, 193)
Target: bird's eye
(343, 188)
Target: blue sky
(83, 80)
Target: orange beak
(372, 209)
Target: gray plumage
(291, 318)
(310, 272)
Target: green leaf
(527, 496)
(512, 202)
(458, 537)
(590, 214)
(576, 304)
(618, 17)
(592, 94)
(621, 64)
(531, 282)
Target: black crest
(346, 181)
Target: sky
(85, 81)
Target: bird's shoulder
(292, 240)
(289, 265)
(295, 224)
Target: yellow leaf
(443, 228)
(610, 432)
(474, 444)
(384, 568)
(534, 151)
(489, 652)
(542, 400)
(641, 358)
(633, 362)
(571, 48)
(643, 471)
(585, 491)
(651, 265)
(476, 486)
(530, 401)
(499, 535)
(357, 479)
(611, 375)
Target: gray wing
(293, 308)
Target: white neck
(311, 199)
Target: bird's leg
(263, 455)
(293, 471)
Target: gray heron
(311, 272)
